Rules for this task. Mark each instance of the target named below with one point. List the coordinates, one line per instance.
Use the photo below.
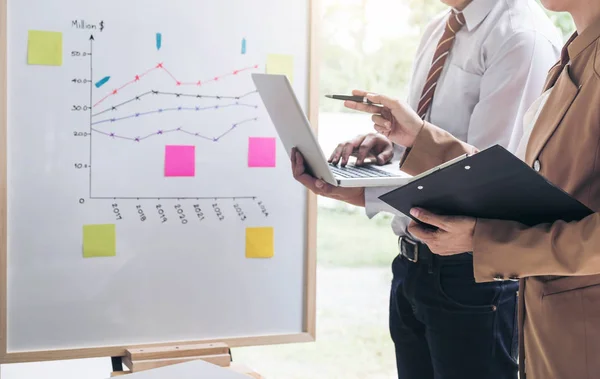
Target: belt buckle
(415, 250)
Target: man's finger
(323, 188)
(309, 182)
(383, 131)
(427, 217)
(337, 154)
(383, 100)
(386, 155)
(378, 119)
(293, 161)
(368, 108)
(421, 232)
(315, 185)
(382, 127)
(300, 173)
(346, 153)
(297, 163)
(357, 92)
(365, 149)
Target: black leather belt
(414, 251)
(418, 252)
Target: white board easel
(79, 151)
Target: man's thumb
(384, 157)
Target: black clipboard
(492, 184)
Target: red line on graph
(125, 85)
(171, 75)
(160, 66)
(149, 71)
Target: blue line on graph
(102, 81)
(162, 110)
(158, 41)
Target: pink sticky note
(261, 152)
(180, 160)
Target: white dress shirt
(529, 121)
(494, 72)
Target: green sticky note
(281, 64)
(99, 241)
(259, 243)
(45, 48)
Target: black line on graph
(153, 92)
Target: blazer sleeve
(506, 249)
(432, 147)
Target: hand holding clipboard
(492, 184)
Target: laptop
(294, 130)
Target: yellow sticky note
(281, 64)
(99, 241)
(45, 48)
(259, 243)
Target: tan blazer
(559, 264)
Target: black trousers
(446, 326)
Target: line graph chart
(132, 125)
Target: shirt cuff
(373, 205)
(399, 152)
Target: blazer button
(537, 166)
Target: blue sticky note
(244, 46)
(102, 81)
(158, 41)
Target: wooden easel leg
(117, 363)
(143, 359)
(117, 367)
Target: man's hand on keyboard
(373, 146)
(354, 196)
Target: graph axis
(91, 114)
(174, 198)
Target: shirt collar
(579, 42)
(476, 12)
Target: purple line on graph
(176, 130)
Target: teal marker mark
(102, 81)
(158, 41)
(244, 46)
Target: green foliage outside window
(356, 54)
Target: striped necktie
(455, 22)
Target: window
(365, 44)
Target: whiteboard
(102, 138)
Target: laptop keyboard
(358, 171)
